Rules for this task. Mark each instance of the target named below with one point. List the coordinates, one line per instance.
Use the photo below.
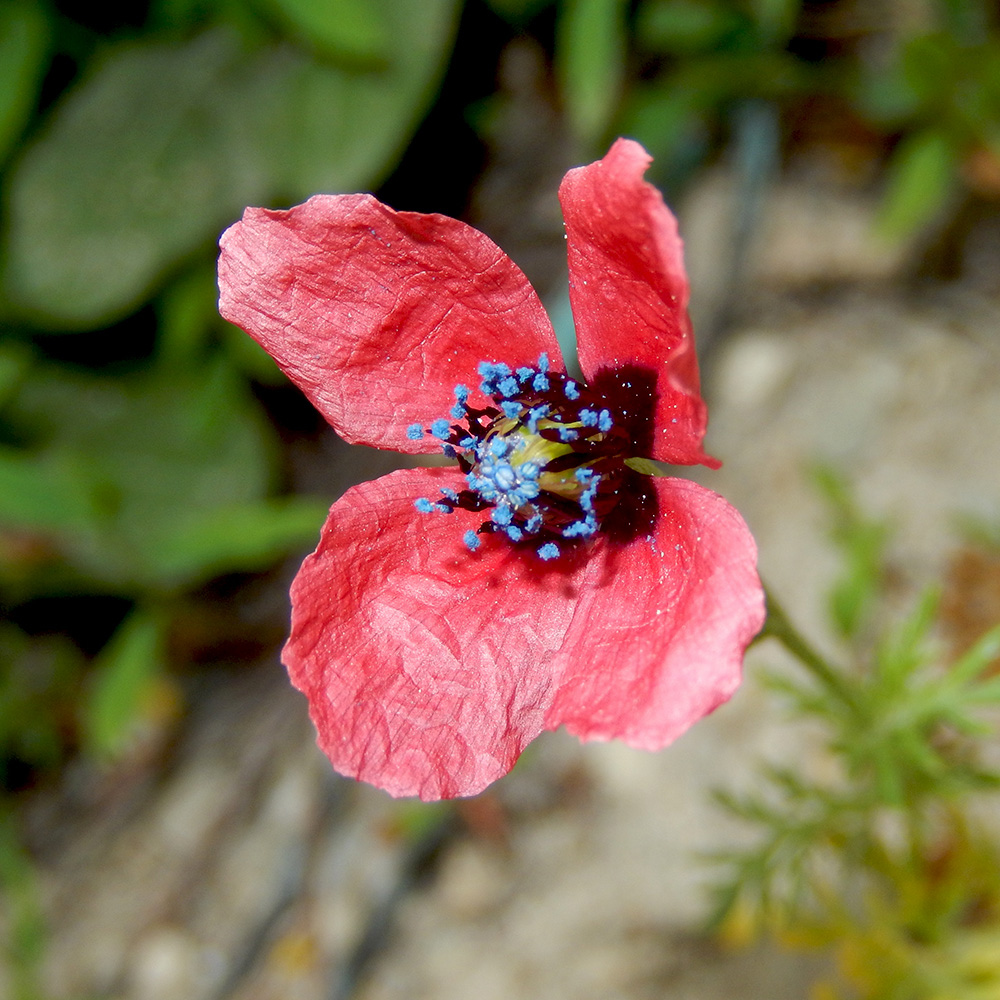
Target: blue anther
(580, 529)
(471, 539)
(588, 417)
(505, 477)
(441, 429)
(543, 362)
(567, 434)
(414, 432)
(540, 382)
(535, 414)
(467, 442)
(582, 474)
(534, 524)
(525, 374)
(511, 410)
(499, 447)
(604, 421)
(423, 505)
(514, 533)
(508, 386)
(502, 516)
(458, 411)
(461, 392)
(449, 452)
(548, 551)
(572, 392)
(530, 470)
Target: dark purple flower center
(547, 460)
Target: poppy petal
(629, 293)
(377, 315)
(429, 668)
(659, 631)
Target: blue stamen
(534, 524)
(580, 529)
(414, 432)
(509, 386)
(543, 362)
(567, 434)
(588, 417)
(441, 429)
(530, 470)
(511, 410)
(548, 551)
(604, 421)
(499, 447)
(471, 539)
(423, 505)
(535, 414)
(458, 411)
(514, 533)
(540, 382)
(502, 516)
(461, 392)
(525, 374)
(572, 392)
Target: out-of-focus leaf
(776, 18)
(343, 27)
(684, 27)
(23, 48)
(151, 453)
(15, 360)
(39, 677)
(37, 492)
(123, 675)
(518, 11)
(237, 538)
(590, 53)
(921, 177)
(161, 145)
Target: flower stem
(779, 626)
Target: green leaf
(24, 44)
(353, 28)
(590, 56)
(160, 145)
(39, 493)
(684, 27)
(122, 677)
(152, 453)
(238, 538)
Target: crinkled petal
(661, 624)
(377, 315)
(629, 293)
(429, 668)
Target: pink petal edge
(377, 315)
(629, 293)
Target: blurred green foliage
(882, 850)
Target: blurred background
(166, 829)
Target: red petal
(629, 293)
(429, 668)
(425, 671)
(661, 625)
(377, 315)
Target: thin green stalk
(779, 626)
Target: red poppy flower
(450, 615)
